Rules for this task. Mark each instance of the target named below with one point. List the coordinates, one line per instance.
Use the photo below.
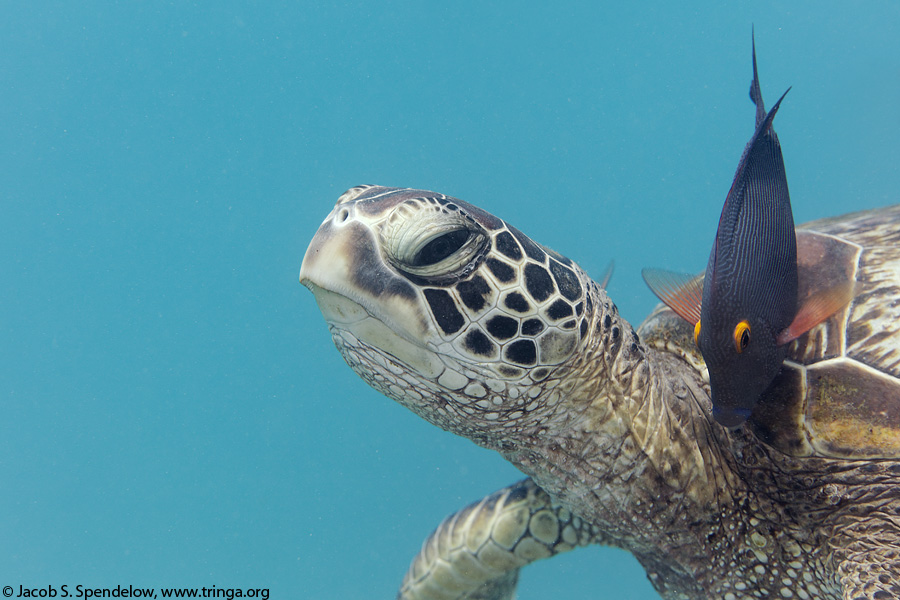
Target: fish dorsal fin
(681, 292)
(755, 91)
(816, 309)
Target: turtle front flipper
(476, 553)
(868, 561)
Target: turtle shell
(838, 393)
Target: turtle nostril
(343, 215)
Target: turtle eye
(697, 334)
(432, 242)
(440, 248)
(741, 336)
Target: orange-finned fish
(748, 310)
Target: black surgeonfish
(748, 310)
(750, 288)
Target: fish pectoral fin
(607, 274)
(816, 309)
(681, 292)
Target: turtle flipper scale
(476, 553)
(869, 559)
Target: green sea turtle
(460, 317)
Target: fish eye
(741, 336)
(697, 334)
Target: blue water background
(173, 410)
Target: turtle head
(447, 309)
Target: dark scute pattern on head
(559, 257)
(533, 251)
(485, 219)
(371, 274)
(517, 302)
(584, 327)
(566, 281)
(478, 343)
(522, 352)
(532, 327)
(474, 292)
(375, 200)
(559, 310)
(502, 271)
(502, 328)
(384, 286)
(579, 308)
(507, 246)
(615, 340)
(509, 371)
(448, 318)
(538, 282)
(569, 324)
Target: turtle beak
(326, 272)
(328, 269)
(324, 262)
(359, 293)
(344, 256)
